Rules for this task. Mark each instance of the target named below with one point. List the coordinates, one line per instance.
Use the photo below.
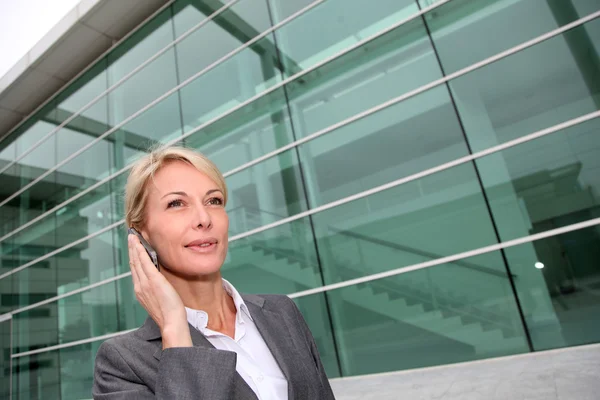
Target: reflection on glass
(560, 301)
(547, 183)
(87, 214)
(232, 28)
(334, 26)
(80, 316)
(511, 98)
(36, 377)
(427, 317)
(79, 266)
(404, 225)
(466, 32)
(280, 260)
(5, 352)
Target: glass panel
(232, 28)
(558, 284)
(80, 316)
(315, 311)
(407, 224)
(87, 214)
(86, 263)
(265, 193)
(282, 9)
(36, 377)
(395, 63)
(334, 26)
(281, 260)
(77, 133)
(77, 370)
(427, 317)
(383, 147)
(135, 92)
(232, 82)
(5, 351)
(466, 32)
(511, 98)
(60, 374)
(547, 183)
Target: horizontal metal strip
(373, 277)
(158, 100)
(455, 257)
(239, 106)
(70, 344)
(362, 115)
(331, 128)
(117, 84)
(89, 66)
(61, 249)
(377, 189)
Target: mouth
(203, 245)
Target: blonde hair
(136, 193)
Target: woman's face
(185, 220)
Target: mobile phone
(151, 252)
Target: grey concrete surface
(564, 374)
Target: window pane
(232, 28)
(315, 311)
(86, 263)
(570, 274)
(80, 316)
(404, 225)
(546, 183)
(511, 98)
(43, 376)
(394, 64)
(333, 26)
(281, 260)
(87, 214)
(427, 317)
(5, 357)
(466, 32)
(135, 92)
(36, 377)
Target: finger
(137, 263)
(145, 263)
(134, 274)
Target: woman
(202, 340)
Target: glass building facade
(422, 177)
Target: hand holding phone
(151, 252)
(156, 294)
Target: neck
(206, 293)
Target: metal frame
(391, 102)
(158, 100)
(368, 278)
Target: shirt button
(260, 378)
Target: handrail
(393, 245)
(423, 253)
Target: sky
(23, 23)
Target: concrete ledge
(564, 374)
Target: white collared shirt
(255, 363)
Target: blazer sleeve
(327, 391)
(183, 373)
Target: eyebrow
(186, 195)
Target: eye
(175, 203)
(215, 201)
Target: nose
(202, 218)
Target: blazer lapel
(150, 331)
(275, 330)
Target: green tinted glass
(557, 283)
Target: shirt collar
(199, 318)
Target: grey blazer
(134, 366)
